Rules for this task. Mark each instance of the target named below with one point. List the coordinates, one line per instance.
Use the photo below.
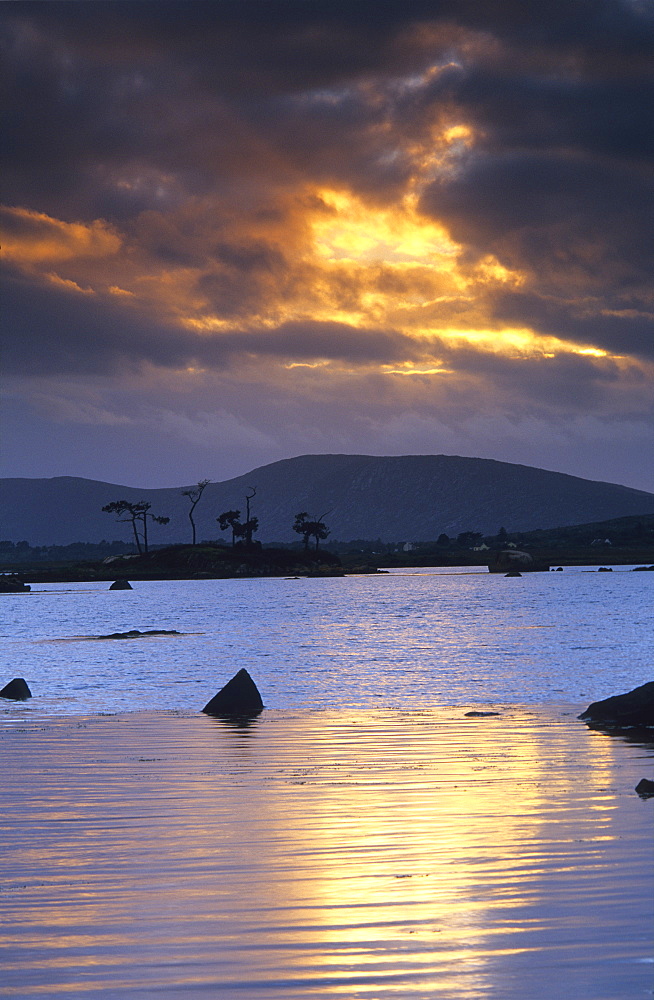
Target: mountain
(410, 497)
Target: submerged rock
(479, 715)
(135, 634)
(513, 572)
(635, 708)
(16, 690)
(645, 788)
(120, 585)
(239, 696)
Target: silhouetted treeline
(468, 547)
(621, 532)
(14, 553)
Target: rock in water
(120, 585)
(240, 696)
(635, 708)
(645, 788)
(17, 690)
(510, 559)
(135, 634)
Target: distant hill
(410, 497)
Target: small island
(626, 541)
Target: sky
(235, 232)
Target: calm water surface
(402, 639)
(362, 838)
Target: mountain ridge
(394, 498)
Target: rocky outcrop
(514, 560)
(135, 634)
(16, 690)
(239, 697)
(120, 585)
(645, 788)
(635, 708)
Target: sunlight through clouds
(293, 207)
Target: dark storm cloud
(630, 333)
(583, 229)
(55, 333)
(551, 211)
(50, 332)
(129, 112)
(180, 86)
(566, 383)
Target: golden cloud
(319, 256)
(33, 238)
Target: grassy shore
(186, 562)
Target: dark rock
(645, 788)
(135, 634)
(479, 715)
(513, 572)
(11, 584)
(16, 690)
(559, 569)
(120, 585)
(516, 559)
(239, 696)
(642, 569)
(605, 569)
(510, 558)
(635, 708)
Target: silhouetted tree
(443, 539)
(240, 529)
(319, 531)
(194, 494)
(308, 528)
(251, 523)
(135, 514)
(230, 519)
(248, 529)
(302, 525)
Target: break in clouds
(272, 228)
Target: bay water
(363, 837)
(402, 639)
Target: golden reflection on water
(377, 855)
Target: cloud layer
(284, 227)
